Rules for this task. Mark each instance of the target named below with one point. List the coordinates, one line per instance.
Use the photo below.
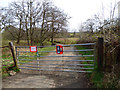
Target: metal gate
(46, 59)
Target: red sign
(59, 49)
(33, 48)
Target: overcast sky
(79, 10)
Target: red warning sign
(33, 48)
(59, 49)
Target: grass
(4, 72)
(86, 58)
(8, 59)
(8, 56)
(97, 79)
(5, 75)
(96, 76)
(23, 43)
(66, 40)
(35, 54)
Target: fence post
(13, 53)
(100, 53)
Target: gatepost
(12, 48)
(100, 53)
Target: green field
(7, 59)
(86, 58)
(66, 40)
(34, 54)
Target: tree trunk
(27, 33)
(18, 41)
(31, 39)
(20, 30)
(52, 40)
(27, 37)
(42, 28)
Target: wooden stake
(13, 53)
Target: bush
(86, 38)
(97, 79)
(112, 79)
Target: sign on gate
(33, 48)
(59, 49)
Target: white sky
(79, 10)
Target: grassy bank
(96, 77)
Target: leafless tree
(36, 21)
(105, 26)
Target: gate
(75, 58)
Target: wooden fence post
(100, 53)
(13, 53)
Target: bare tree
(58, 22)
(105, 26)
(17, 13)
(36, 21)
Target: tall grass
(7, 60)
(86, 58)
(95, 77)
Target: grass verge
(86, 58)
(96, 77)
(8, 60)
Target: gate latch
(59, 49)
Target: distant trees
(89, 25)
(105, 27)
(36, 21)
(11, 33)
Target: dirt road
(48, 79)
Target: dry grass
(112, 79)
(66, 40)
